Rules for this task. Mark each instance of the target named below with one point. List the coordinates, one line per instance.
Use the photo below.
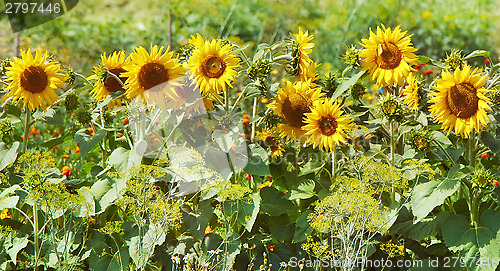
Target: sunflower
(459, 102)
(412, 92)
(33, 80)
(309, 72)
(271, 141)
(106, 84)
(291, 103)
(153, 76)
(301, 54)
(325, 125)
(213, 64)
(388, 56)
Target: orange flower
(208, 230)
(92, 220)
(91, 130)
(65, 156)
(126, 121)
(66, 171)
(402, 247)
(484, 155)
(271, 247)
(72, 114)
(495, 182)
(77, 149)
(266, 184)
(5, 214)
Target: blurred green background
(93, 26)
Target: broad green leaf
(139, 253)
(425, 197)
(257, 161)
(302, 228)
(312, 166)
(489, 140)
(196, 220)
(8, 155)
(302, 190)
(123, 159)
(424, 228)
(86, 141)
(119, 260)
(273, 202)
(441, 138)
(478, 53)
(246, 210)
(8, 202)
(16, 246)
(346, 84)
(281, 228)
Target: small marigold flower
(484, 155)
(4, 214)
(66, 171)
(65, 156)
(495, 182)
(126, 121)
(208, 230)
(486, 61)
(77, 149)
(271, 247)
(428, 72)
(92, 220)
(91, 131)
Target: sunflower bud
(4, 64)
(420, 140)
(331, 83)
(391, 108)
(5, 127)
(71, 102)
(69, 75)
(357, 91)
(292, 65)
(455, 59)
(83, 116)
(482, 177)
(351, 57)
(259, 69)
(495, 97)
(271, 120)
(185, 52)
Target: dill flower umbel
(460, 102)
(33, 79)
(388, 56)
(213, 65)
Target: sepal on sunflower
(357, 91)
(83, 115)
(101, 72)
(495, 97)
(455, 59)
(260, 69)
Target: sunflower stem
(116, 77)
(83, 77)
(444, 151)
(27, 125)
(254, 112)
(334, 164)
(281, 57)
(472, 149)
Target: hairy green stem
(444, 151)
(27, 125)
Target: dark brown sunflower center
(152, 74)
(462, 100)
(327, 125)
(294, 108)
(390, 57)
(111, 84)
(272, 142)
(34, 79)
(213, 67)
